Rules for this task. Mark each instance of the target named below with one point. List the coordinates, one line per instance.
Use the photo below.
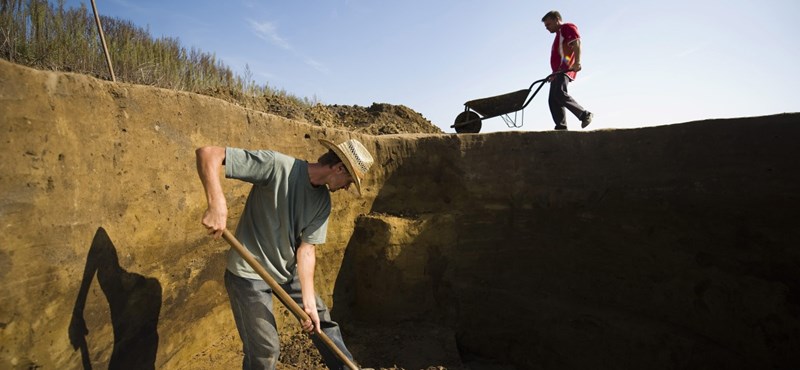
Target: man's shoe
(560, 128)
(587, 119)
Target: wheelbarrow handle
(282, 295)
(541, 84)
(547, 79)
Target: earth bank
(664, 247)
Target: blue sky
(644, 63)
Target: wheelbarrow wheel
(474, 125)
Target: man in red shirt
(564, 57)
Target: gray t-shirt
(282, 209)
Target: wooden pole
(103, 40)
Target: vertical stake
(103, 40)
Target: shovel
(282, 295)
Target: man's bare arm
(209, 161)
(306, 262)
(576, 48)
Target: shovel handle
(282, 295)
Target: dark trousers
(560, 99)
(251, 302)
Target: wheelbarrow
(475, 111)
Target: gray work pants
(560, 99)
(251, 303)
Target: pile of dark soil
(408, 346)
(378, 119)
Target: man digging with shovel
(285, 216)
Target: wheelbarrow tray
(498, 105)
(477, 110)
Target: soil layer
(659, 248)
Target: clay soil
(552, 250)
(399, 347)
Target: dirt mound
(378, 119)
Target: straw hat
(354, 156)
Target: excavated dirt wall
(101, 214)
(665, 247)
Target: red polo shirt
(562, 54)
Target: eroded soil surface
(401, 347)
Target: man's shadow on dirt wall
(134, 301)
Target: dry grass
(45, 35)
